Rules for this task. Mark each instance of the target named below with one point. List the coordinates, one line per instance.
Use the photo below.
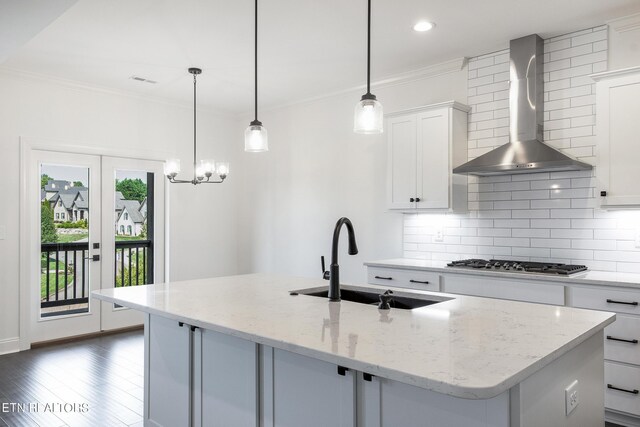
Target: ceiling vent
(142, 79)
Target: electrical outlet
(439, 237)
(571, 397)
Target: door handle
(93, 257)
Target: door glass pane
(133, 228)
(64, 234)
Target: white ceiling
(307, 47)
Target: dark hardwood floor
(104, 373)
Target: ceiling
(307, 47)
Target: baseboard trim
(82, 337)
(621, 419)
(9, 345)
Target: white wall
(318, 170)
(203, 220)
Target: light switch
(3, 232)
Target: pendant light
(203, 170)
(255, 136)
(368, 113)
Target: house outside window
(122, 229)
(81, 214)
(57, 216)
(129, 231)
(126, 216)
(62, 215)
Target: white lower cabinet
(517, 290)
(196, 377)
(308, 392)
(167, 391)
(386, 403)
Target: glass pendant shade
(172, 167)
(368, 117)
(255, 138)
(222, 168)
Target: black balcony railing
(64, 279)
(133, 263)
(64, 287)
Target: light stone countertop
(589, 277)
(468, 347)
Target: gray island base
(240, 351)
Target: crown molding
(615, 73)
(625, 23)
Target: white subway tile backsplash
(542, 216)
(530, 232)
(530, 213)
(550, 243)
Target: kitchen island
(241, 350)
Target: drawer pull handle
(611, 301)
(635, 391)
(609, 337)
(425, 282)
(383, 278)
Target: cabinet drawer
(618, 300)
(622, 340)
(414, 279)
(625, 378)
(517, 290)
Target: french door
(132, 231)
(95, 222)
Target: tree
(78, 184)
(132, 189)
(47, 227)
(44, 180)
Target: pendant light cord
(368, 48)
(256, 64)
(194, 127)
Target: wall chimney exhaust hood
(525, 152)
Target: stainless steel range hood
(525, 152)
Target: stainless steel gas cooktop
(519, 266)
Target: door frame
(27, 145)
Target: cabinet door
(168, 375)
(387, 403)
(401, 162)
(433, 166)
(228, 392)
(618, 146)
(309, 392)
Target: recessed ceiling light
(423, 26)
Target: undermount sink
(369, 296)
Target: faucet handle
(385, 299)
(325, 273)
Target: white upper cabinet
(424, 145)
(618, 137)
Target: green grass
(52, 283)
(128, 238)
(68, 238)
